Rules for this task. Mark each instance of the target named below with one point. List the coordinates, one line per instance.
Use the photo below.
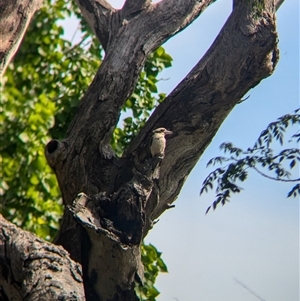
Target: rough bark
(103, 227)
(34, 270)
(15, 16)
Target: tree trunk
(110, 202)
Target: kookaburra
(158, 143)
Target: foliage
(42, 89)
(153, 264)
(260, 156)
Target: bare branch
(98, 14)
(180, 13)
(248, 289)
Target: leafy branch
(260, 157)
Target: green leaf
(24, 137)
(162, 265)
(293, 163)
(160, 51)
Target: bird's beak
(168, 132)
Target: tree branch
(129, 46)
(15, 17)
(133, 6)
(273, 178)
(278, 3)
(33, 269)
(242, 55)
(97, 14)
(181, 12)
(249, 289)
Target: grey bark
(15, 16)
(103, 227)
(34, 270)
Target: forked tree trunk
(111, 202)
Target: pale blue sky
(254, 238)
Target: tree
(104, 227)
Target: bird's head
(161, 132)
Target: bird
(158, 144)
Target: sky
(254, 238)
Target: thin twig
(74, 34)
(273, 178)
(75, 46)
(267, 176)
(248, 289)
